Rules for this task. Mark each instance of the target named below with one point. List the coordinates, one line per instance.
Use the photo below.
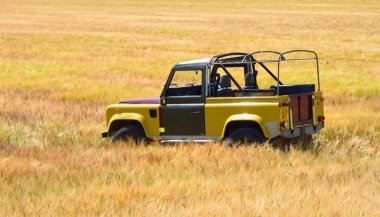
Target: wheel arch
(245, 120)
(127, 119)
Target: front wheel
(246, 135)
(129, 133)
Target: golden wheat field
(62, 62)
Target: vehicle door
(182, 102)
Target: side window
(186, 83)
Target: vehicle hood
(149, 100)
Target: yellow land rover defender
(220, 98)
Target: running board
(183, 141)
(178, 139)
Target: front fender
(129, 117)
(248, 117)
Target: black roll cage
(249, 58)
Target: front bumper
(306, 130)
(104, 135)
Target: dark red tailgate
(301, 106)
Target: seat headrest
(225, 81)
(249, 80)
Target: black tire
(246, 135)
(132, 133)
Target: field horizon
(62, 63)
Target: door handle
(195, 112)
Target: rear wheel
(129, 133)
(246, 135)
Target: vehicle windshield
(186, 78)
(186, 83)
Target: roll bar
(281, 56)
(217, 57)
(216, 60)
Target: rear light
(283, 126)
(321, 119)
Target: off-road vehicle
(202, 100)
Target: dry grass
(62, 62)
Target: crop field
(62, 62)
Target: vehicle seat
(225, 83)
(250, 79)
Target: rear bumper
(104, 135)
(306, 130)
